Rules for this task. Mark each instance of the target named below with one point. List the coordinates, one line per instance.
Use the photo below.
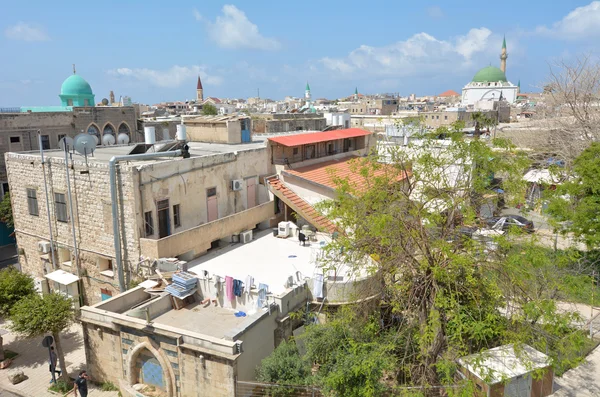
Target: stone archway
(167, 370)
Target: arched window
(124, 129)
(93, 130)
(108, 129)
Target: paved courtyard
(33, 361)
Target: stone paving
(33, 361)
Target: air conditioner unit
(246, 236)
(237, 184)
(44, 247)
(283, 229)
(41, 285)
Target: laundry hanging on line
(229, 288)
(237, 287)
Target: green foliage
(576, 202)
(284, 366)
(14, 286)
(61, 387)
(109, 386)
(209, 110)
(6, 214)
(37, 315)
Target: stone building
(18, 128)
(206, 345)
(167, 207)
(285, 122)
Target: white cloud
(582, 22)
(172, 77)
(419, 54)
(435, 12)
(233, 30)
(26, 32)
(197, 15)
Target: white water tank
(149, 135)
(181, 133)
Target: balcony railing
(196, 241)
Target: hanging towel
(217, 285)
(248, 284)
(229, 288)
(318, 286)
(237, 287)
(262, 294)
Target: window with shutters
(177, 215)
(32, 202)
(60, 205)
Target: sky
(153, 51)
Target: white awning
(62, 277)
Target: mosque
(491, 84)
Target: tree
(576, 202)
(284, 366)
(448, 292)
(14, 286)
(6, 214)
(209, 110)
(37, 315)
(569, 105)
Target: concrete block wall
(103, 352)
(206, 375)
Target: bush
(109, 386)
(61, 387)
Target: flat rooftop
(103, 154)
(211, 320)
(269, 259)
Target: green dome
(75, 85)
(489, 74)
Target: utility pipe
(75, 251)
(112, 169)
(54, 267)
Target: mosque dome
(75, 85)
(489, 74)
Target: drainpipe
(75, 251)
(54, 267)
(112, 169)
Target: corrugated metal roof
(316, 137)
(326, 172)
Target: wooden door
(212, 207)
(251, 192)
(163, 218)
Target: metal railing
(251, 389)
(10, 110)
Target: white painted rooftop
(269, 259)
(503, 363)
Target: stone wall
(24, 126)
(269, 124)
(92, 216)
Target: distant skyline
(154, 51)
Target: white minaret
(307, 92)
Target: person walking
(81, 384)
(53, 364)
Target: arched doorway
(146, 365)
(108, 129)
(94, 131)
(124, 128)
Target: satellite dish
(68, 141)
(123, 139)
(84, 144)
(96, 139)
(108, 139)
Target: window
(69, 102)
(105, 265)
(60, 204)
(86, 102)
(46, 142)
(5, 188)
(445, 117)
(211, 192)
(32, 202)
(149, 224)
(61, 136)
(295, 151)
(15, 139)
(64, 256)
(176, 215)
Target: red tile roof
(326, 172)
(316, 137)
(296, 203)
(449, 93)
